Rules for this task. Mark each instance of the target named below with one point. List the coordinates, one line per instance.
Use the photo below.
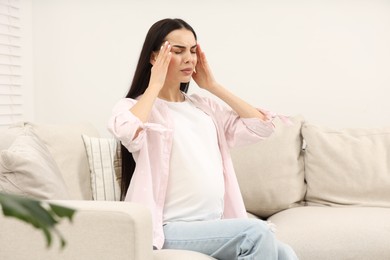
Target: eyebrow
(183, 47)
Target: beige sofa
(329, 200)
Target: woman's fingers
(160, 66)
(198, 53)
(164, 54)
(203, 76)
(167, 54)
(201, 55)
(202, 61)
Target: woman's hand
(159, 70)
(202, 74)
(160, 66)
(205, 79)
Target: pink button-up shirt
(151, 150)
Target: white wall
(327, 60)
(27, 79)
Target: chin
(186, 79)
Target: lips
(187, 71)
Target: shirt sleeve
(243, 131)
(240, 131)
(123, 125)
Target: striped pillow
(104, 160)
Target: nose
(188, 57)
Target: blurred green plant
(42, 215)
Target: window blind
(11, 102)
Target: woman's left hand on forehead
(202, 74)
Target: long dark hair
(153, 41)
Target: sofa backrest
(66, 146)
(271, 172)
(347, 166)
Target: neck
(172, 95)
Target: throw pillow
(104, 159)
(28, 169)
(271, 172)
(347, 166)
(65, 144)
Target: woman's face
(184, 59)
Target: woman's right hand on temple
(160, 66)
(160, 62)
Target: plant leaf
(33, 212)
(42, 216)
(15, 206)
(62, 212)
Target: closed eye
(178, 49)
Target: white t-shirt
(196, 183)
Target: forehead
(182, 37)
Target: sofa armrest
(100, 230)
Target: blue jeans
(227, 239)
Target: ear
(153, 58)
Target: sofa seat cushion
(335, 232)
(171, 254)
